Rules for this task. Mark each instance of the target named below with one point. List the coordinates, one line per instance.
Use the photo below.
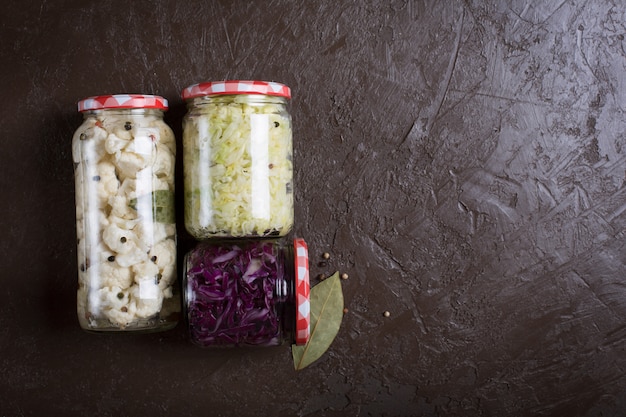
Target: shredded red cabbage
(231, 294)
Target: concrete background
(463, 161)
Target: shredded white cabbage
(237, 158)
(126, 249)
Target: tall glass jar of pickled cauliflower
(237, 157)
(124, 175)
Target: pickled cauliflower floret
(113, 297)
(122, 133)
(120, 208)
(114, 144)
(106, 181)
(129, 163)
(116, 276)
(124, 219)
(149, 234)
(87, 144)
(119, 240)
(123, 316)
(167, 142)
(148, 298)
(123, 223)
(163, 165)
(134, 256)
(164, 255)
(145, 271)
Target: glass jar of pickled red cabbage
(237, 158)
(124, 177)
(247, 293)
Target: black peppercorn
(111, 258)
(120, 295)
(276, 124)
(85, 266)
(153, 259)
(123, 239)
(128, 125)
(96, 178)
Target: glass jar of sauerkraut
(247, 293)
(237, 158)
(124, 174)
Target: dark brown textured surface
(464, 162)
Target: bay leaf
(161, 202)
(326, 316)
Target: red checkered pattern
(123, 101)
(303, 310)
(236, 87)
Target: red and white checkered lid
(212, 88)
(303, 288)
(123, 101)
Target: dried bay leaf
(161, 203)
(326, 316)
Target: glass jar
(237, 158)
(247, 293)
(124, 156)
